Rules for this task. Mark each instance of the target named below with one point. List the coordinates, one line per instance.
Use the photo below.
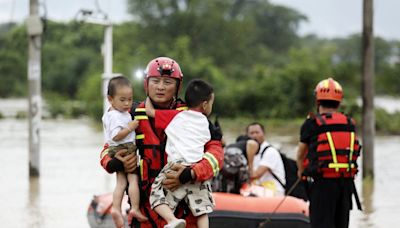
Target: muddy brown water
(71, 175)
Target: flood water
(71, 175)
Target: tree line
(249, 50)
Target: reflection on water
(33, 205)
(71, 175)
(367, 202)
(380, 197)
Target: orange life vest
(334, 148)
(151, 145)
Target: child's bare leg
(134, 196)
(202, 221)
(118, 195)
(166, 213)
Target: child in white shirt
(119, 133)
(187, 132)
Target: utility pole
(98, 17)
(35, 30)
(108, 59)
(368, 91)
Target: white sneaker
(180, 223)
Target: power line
(99, 10)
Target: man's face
(256, 132)
(161, 90)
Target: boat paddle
(268, 219)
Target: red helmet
(163, 67)
(328, 89)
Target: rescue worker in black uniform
(328, 152)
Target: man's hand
(300, 173)
(129, 160)
(171, 181)
(302, 151)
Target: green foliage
(6, 27)
(387, 123)
(59, 105)
(223, 30)
(69, 53)
(21, 115)
(389, 80)
(13, 74)
(282, 23)
(90, 93)
(233, 127)
(13, 63)
(248, 50)
(351, 108)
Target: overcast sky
(326, 18)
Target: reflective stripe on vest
(103, 153)
(351, 150)
(139, 136)
(335, 159)
(213, 162)
(140, 114)
(333, 150)
(335, 163)
(141, 117)
(182, 108)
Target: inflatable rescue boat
(231, 210)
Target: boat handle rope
(268, 219)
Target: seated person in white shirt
(266, 161)
(187, 132)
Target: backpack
(300, 191)
(234, 172)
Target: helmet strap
(147, 89)
(173, 103)
(178, 84)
